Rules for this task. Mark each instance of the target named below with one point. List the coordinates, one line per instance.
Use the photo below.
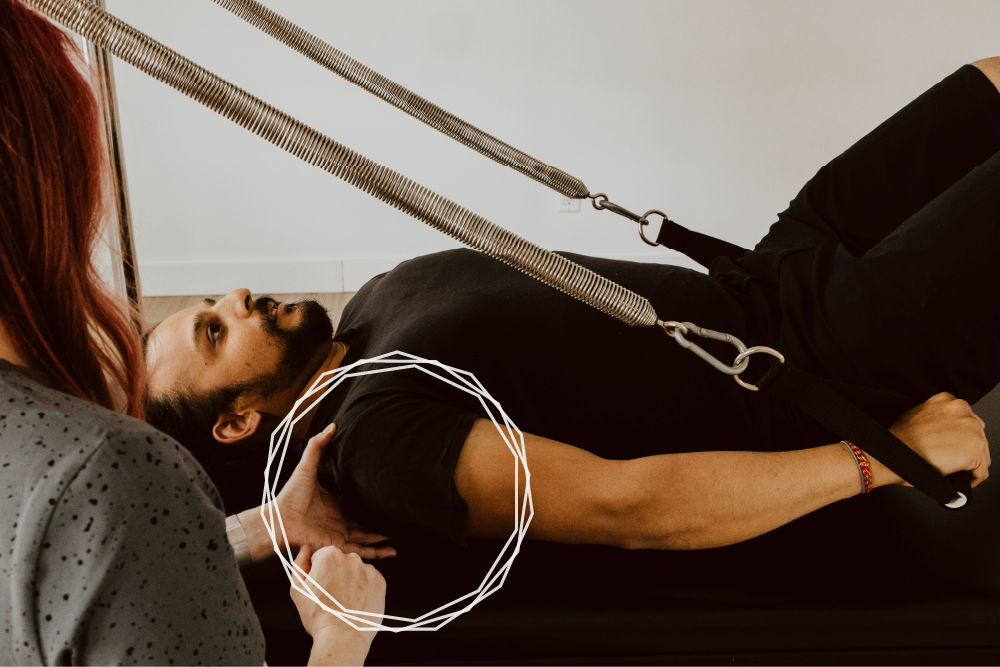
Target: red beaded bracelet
(863, 467)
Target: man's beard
(299, 345)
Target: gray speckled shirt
(112, 541)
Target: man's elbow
(671, 540)
(644, 521)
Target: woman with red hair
(117, 548)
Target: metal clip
(676, 330)
(744, 356)
(644, 222)
(681, 328)
(611, 206)
(601, 203)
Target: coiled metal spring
(277, 127)
(423, 110)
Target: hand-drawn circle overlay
(495, 576)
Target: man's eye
(213, 333)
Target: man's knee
(991, 68)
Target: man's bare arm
(672, 501)
(695, 500)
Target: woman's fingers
(361, 536)
(369, 552)
(378, 552)
(322, 439)
(360, 541)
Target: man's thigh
(919, 312)
(865, 193)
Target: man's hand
(314, 518)
(947, 433)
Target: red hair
(54, 186)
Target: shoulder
(59, 435)
(135, 547)
(428, 282)
(134, 564)
(64, 458)
(116, 532)
(431, 267)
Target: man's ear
(232, 427)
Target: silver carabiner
(605, 205)
(601, 203)
(676, 330)
(681, 328)
(745, 356)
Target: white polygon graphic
(512, 436)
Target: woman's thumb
(304, 558)
(314, 450)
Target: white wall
(715, 112)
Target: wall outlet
(569, 205)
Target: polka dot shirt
(112, 542)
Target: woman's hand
(356, 586)
(314, 518)
(947, 433)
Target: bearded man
(631, 440)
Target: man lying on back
(631, 440)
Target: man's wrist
(882, 475)
(258, 539)
(238, 541)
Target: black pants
(884, 272)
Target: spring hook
(645, 221)
(601, 203)
(681, 328)
(611, 206)
(677, 330)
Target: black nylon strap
(819, 401)
(841, 417)
(699, 247)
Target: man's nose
(238, 303)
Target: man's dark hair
(188, 418)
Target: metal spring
(277, 127)
(423, 110)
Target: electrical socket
(569, 205)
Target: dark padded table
(889, 578)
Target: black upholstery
(889, 578)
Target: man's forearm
(710, 499)
(695, 500)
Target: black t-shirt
(559, 368)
